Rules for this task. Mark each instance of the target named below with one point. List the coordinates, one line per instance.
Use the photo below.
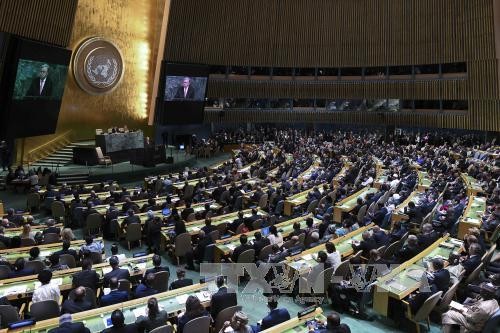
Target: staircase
(62, 156)
(72, 178)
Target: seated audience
(118, 321)
(276, 316)
(181, 281)
(46, 291)
(145, 288)
(223, 298)
(66, 325)
(237, 324)
(154, 318)
(116, 272)
(114, 296)
(87, 277)
(78, 303)
(194, 309)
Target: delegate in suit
(41, 86)
(185, 91)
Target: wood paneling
(45, 20)
(340, 33)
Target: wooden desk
(343, 172)
(296, 324)
(306, 175)
(350, 202)
(88, 187)
(398, 284)
(45, 250)
(101, 209)
(381, 178)
(424, 181)
(298, 199)
(225, 247)
(398, 213)
(472, 186)
(306, 260)
(171, 301)
(23, 287)
(2, 210)
(11, 232)
(471, 216)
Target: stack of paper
(195, 229)
(141, 266)
(139, 312)
(231, 246)
(14, 290)
(396, 285)
(106, 270)
(307, 257)
(203, 296)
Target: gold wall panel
(132, 26)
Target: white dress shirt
(46, 292)
(42, 83)
(334, 259)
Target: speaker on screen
(33, 85)
(182, 94)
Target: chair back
(323, 280)
(263, 201)
(25, 242)
(50, 238)
(182, 244)
(488, 255)
(58, 209)
(116, 229)
(495, 235)
(238, 203)
(342, 269)
(390, 250)
(312, 206)
(163, 329)
(308, 239)
(225, 315)
(124, 285)
(246, 257)
(358, 254)
(361, 213)
(4, 272)
(96, 257)
(492, 324)
(224, 197)
(280, 206)
(67, 259)
(447, 298)
(288, 244)
(2, 246)
(198, 325)
(89, 296)
(94, 224)
(302, 238)
(44, 310)
(474, 275)
(265, 252)
(100, 155)
(214, 235)
(427, 307)
(8, 314)
(209, 253)
(133, 232)
(160, 282)
(188, 192)
(35, 265)
(191, 217)
(32, 200)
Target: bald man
(77, 303)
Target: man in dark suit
(380, 214)
(87, 277)
(438, 279)
(427, 237)
(241, 248)
(41, 85)
(333, 325)
(473, 260)
(67, 326)
(259, 243)
(4, 239)
(181, 281)
(118, 321)
(145, 288)
(410, 250)
(157, 266)
(379, 236)
(185, 91)
(66, 250)
(367, 244)
(276, 316)
(222, 299)
(187, 211)
(51, 228)
(198, 252)
(208, 228)
(237, 222)
(78, 303)
(131, 218)
(117, 272)
(115, 296)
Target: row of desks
(11, 232)
(472, 186)
(298, 199)
(406, 278)
(471, 217)
(348, 204)
(46, 250)
(23, 287)
(95, 320)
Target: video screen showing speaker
(184, 87)
(36, 83)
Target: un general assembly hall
(274, 166)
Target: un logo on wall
(97, 66)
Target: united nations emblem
(97, 66)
